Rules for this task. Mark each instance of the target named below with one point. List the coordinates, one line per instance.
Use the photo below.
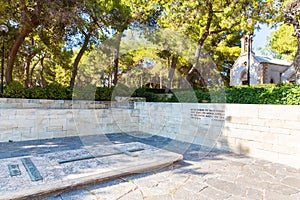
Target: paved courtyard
(202, 174)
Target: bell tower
(246, 42)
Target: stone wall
(270, 132)
(24, 119)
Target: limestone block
(25, 114)
(295, 132)
(290, 160)
(281, 112)
(284, 131)
(25, 122)
(252, 135)
(54, 122)
(228, 144)
(262, 154)
(242, 110)
(72, 133)
(4, 114)
(214, 132)
(44, 113)
(292, 124)
(261, 145)
(290, 140)
(31, 105)
(45, 135)
(10, 114)
(54, 128)
(8, 124)
(28, 134)
(15, 136)
(285, 149)
(5, 134)
(59, 134)
(70, 125)
(236, 119)
(263, 129)
(111, 128)
(256, 122)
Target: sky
(260, 38)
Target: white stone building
(263, 70)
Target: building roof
(263, 59)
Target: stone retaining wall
(25, 119)
(270, 132)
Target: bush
(15, 90)
(257, 94)
(86, 92)
(56, 91)
(37, 93)
(150, 96)
(103, 94)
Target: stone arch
(243, 77)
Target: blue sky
(260, 38)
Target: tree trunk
(27, 68)
(78, 58)
(199, 46)
(43, 81)
(296, 62)
(160, 80)
(116, 59)
(31, 73)
(171, 73)
(13, 54)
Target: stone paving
(202, 174)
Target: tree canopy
(52, 41)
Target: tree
(287, 11)
(281, 43)
(205, 20)
(26, 17)
(292, 16)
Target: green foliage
(103, 94)
(37, 93)
(150, 96)
(282, 43)
(86, 92)
(256, 94)
(56, 91)
(15, 90)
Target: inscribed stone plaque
(31, 169)
(14, 170)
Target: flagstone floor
(202, 174)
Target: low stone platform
(202, 174)
(110, 162)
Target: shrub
(15, 90)
(256, 94)
(103, 94)
(150, 96)
(37, 93)
(56, 91)
(86, 92)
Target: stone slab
(61, 177)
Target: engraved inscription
(31, 169)
(14, 170)
(213, 114)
